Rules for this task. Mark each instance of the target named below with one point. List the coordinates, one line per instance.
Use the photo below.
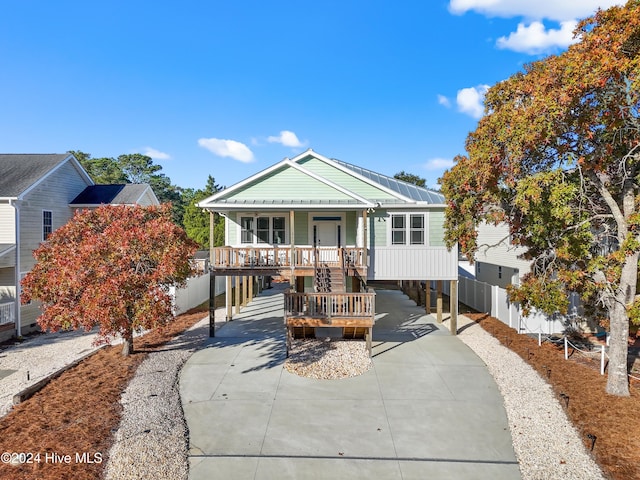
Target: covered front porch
(286, 261)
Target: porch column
(427, 297)
(245, 290)
(292, 244)
(365, 256)
(453, 307)
(251, 280)
(18, 311)
(211, 220)
(212, 304)
(228, 298)
(439, 300)
(237, 282)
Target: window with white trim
(409, 229)
(263, 229)
(278, 230)
(416, 232)
(47, 224)
(246, 229)
(398, 230)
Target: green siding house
(330, 227)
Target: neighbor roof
(113, 194)
(22, 171)
(6, 248)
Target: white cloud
(439, 164)
(286, 138)
(227, 148)
(442, 100)
(470, 100)
(534, 39)
(156, 154)
(532, 36)
(558, 10)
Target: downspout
(18, 323)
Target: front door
(327, 237)
(325, 234)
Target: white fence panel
(492, 299)
(195, 292)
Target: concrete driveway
(427, 409)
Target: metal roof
(419, 194)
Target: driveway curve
(428, 408)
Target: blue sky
(227, 88)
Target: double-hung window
(278, 230)
(398, 229)
(47, 224)
(408, 229)
(246, 228)
(262, 230)
(416, 229)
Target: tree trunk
(618, 380)
(127, 343)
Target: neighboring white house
(497, 260)
(38, 194)
(498, 263)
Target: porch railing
(355, 305)
(282, 257)
(7, 313)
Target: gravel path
(152, 439)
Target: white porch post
(18, 320)
(292, 244)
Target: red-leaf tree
(111, 267)
(557, 157)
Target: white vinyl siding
(413, 263)
(7, 224)
(53, 194)
(495, 249)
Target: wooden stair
(329, 279)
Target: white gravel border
(545, 442)
(152, 438)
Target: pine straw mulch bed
(77, 413)
(614, 421)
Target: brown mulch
(614, 421)
(66, 429)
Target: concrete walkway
(428, 408)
